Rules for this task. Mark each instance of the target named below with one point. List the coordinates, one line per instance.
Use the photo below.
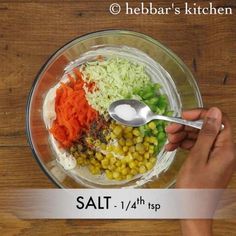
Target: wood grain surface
(31, 30)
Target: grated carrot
(73, 113)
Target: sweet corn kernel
(105, 163)
(152, 159)
(116, 174)
(136, 132)
(146, 155)
(128, 129)
(99, 156)
(128, 136)
(112, 160)
(133, 171)
(129, 176)
(132, 149)
(132, 164)
(109, 174)
(149, 165)
(124, 171)
(152, 125)
(117, 130)
(121, 141)
(139, 140)
(142, 169)
(125, 149)
(129, 142)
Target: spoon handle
(195, 124)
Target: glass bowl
(177, 80)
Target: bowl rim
(78, 39)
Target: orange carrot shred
(73, 113)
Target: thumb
(207, 136)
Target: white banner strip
(122, 203)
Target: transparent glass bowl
(179, 84)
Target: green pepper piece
(147, 95)
(154, 101)
(161, 136)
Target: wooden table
(31, 30)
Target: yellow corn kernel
(132, 149)
(123, 165)
(146, 144)
(117, 130)
(124, 171)
(120, 151)
(103, 146)
(140, 158)
(140, 164)
(116, 174)
(98, 164)
(135, 155)
(121, 141)
(152, 125)
(139, 146)
(109, 155)
(99, 156)
(115, 149)
(139, 139)
(109, 148)
(97, 143)
(126, 159)
(113, 136)
(97, 170)
(133, 171)
(128, 129)
(93, 161)
(118, 169)
(132, 164)
(142, 169)
(105, 163)
(111, 167)
(153, 140)
(129, 142)
(109, 174)
(136, 132)
(113, 160)
(146, 139)
(146, 155)
(125, 149)
(118, 163)
(128, 136)
(129, 176)
(108, 137)
(153, 160)
(149, 165)
(155, 131)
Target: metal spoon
(145, 115)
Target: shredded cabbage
(115, 78)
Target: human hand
(211, 160)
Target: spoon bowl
(143, 115)
(143, 112)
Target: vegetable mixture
(84, 128)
